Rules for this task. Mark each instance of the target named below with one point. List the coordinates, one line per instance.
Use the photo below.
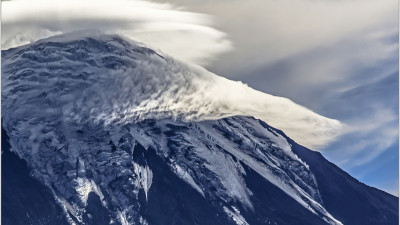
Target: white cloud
(153, 87)
(312, 51)
(323, 44)
(266, 31)
(185, 35)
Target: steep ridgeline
(94, 159)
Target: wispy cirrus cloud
(267, 31)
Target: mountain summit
(109, 79)
(113, 132)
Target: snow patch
(184, 175)
(145, 177)
(235, 215)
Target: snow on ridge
(184, 175)
(236, 216)
(145, 177)
(288, 186)
(128, 83)
(222, 146)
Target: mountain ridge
(115, 142)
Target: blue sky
(337, 58)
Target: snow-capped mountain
(115, 133)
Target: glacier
(103, 117)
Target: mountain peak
(116, 80)
(121, 134)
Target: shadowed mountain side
(24, 199)
(346, 198)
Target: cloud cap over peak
(185, 35)
(127, 83)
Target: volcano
(98, 129)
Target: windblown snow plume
(161, 26)
(106, 79)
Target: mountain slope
(173, 198)
(24, 199)
(346, 198)
(118, 134)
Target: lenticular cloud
(77, 78)
(185, 35)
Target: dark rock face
(24, 199)
(173, 201)
(346, 198)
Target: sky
(336, 58)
